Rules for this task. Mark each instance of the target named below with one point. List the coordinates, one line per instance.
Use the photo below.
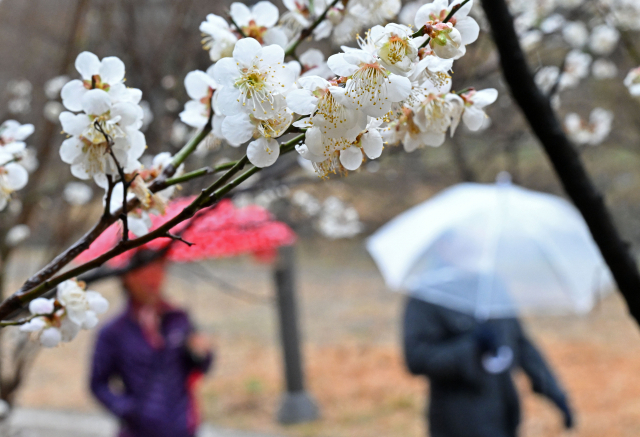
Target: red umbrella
(221, 231)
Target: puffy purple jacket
(155, 400)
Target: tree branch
(562, 154)
(208, 197)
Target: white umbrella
(493, 250)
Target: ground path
(50, 423)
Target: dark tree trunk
(562, 154)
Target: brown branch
(563, 155)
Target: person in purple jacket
(155, 352)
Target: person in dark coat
(471, 394)
(154, 351)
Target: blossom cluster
(394, 87)
(60, 319)
(13, 150)
(104, 127)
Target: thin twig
(179, 238)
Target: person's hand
(563, 406)
(199, 345)
(486, 338)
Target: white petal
(74, 124)
(240, 13)
(270, 55)
(194, 114)
(303, 150)
(302, 102)
(422, 16)
(372, 144)
(275, 36)
(485, 97)
(96, 102)
(313, 83)
(312, 58)
(399, 88)
(72, 94)
(197, 83)
(41, 305)
(97, 303)
(50, 337)
(469, 30)
(90, 321)
(225, 72)
(338, 64)
(128, 112)
(246, 51)
(16, 176)
(313, 140)
(79, 171)
(229, 100)
(473, 117)
(112, 70)
(237, 129)
(463, 11)
(266, 14)
(70, 149)
(87, 65)
(351, 158)
(35, 325)
(263, 152)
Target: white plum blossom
(338, 220)
(370, 12)
(88, 150)
(431, 68)
(370, 87)
(240, 128)
(474, 116)
(576, 68)
(53, 86)
(13, 177)
(258, 22)
(254, 80)
(368, 143)
(263, 152)
(546, 78)
(632, 82)
(218, 38)
(448, 40)
(604, 39)
(604, 69)
(576, 34)
(593, 132)
(77, 193)
(395, 48)
(60, 319)
(12, 136)
(17, 235)
(200, 86)
(106, 75)
(552, 23)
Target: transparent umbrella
(493, 250)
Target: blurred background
(349, 320)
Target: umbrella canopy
(221, 231)
(493, 250)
